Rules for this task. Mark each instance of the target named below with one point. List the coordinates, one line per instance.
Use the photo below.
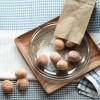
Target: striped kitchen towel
(90, 84)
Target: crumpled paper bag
(74, 20)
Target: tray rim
(50, 86)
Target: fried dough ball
(55, 57)
(62, 65)
(22, 84)
(59, 44)
(74, 56)
(20, 73)
(7, 86)
(42, 60)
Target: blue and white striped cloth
(90, 84)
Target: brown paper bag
(74, 19)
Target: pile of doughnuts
(62, 63)
(22, 82)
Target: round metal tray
(42, 43)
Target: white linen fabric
(10, 58)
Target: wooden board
(50, 85)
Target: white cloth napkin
(10, 58)
(90, 84)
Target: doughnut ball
(22, 84)
(42, 60)
(59, 44)
(55, 57)
(7, 86)
(74, 56)
(20, 73)
(62, 65)
(69, 44)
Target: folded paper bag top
(74, 20)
